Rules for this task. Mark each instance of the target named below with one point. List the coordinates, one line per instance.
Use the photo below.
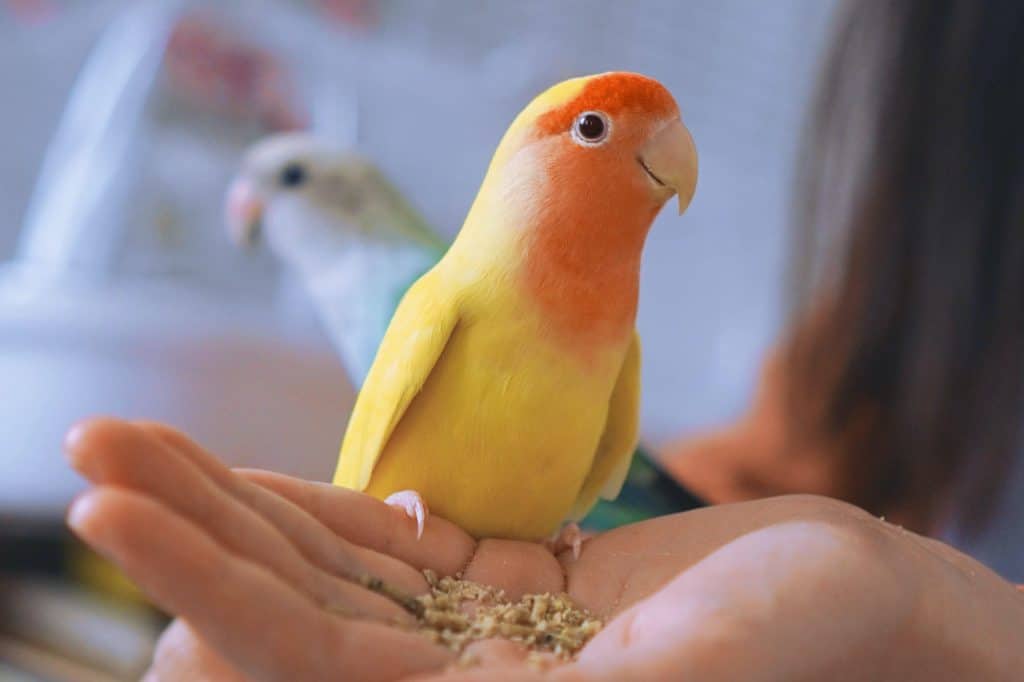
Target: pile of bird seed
(457, 612)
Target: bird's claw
(570, 537)
(413, 505)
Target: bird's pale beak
(670, 157)
(243, 212)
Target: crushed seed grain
(458, 612)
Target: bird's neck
(572, 249)
(585, 294)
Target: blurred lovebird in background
(353, 239)
(121, 293)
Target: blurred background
(120, 292)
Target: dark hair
(909, 256)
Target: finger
(117, 453)
(257, 622)
(368, 522)
(518, 568)
(181, 655)
(321, 545)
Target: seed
(457, 612)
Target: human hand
(789, 588)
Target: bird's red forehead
(612, 93)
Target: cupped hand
(266, 575)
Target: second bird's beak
(243, 212)
(671, 158)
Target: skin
(253, 564)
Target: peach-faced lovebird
(505, 393)
(358, 245)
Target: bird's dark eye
(293, 175)
(590, 128)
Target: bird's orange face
(611, 140)
(592, 161)
(601, 135)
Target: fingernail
(74, 435)
(91, 425)
(79, 512)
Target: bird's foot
(413, 505)
(569, 537)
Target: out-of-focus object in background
(358, 245)
(335, 220)
(212, 69)
(31, 11)
(125, 298)
(352, 13)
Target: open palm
(264, 572)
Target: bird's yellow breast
(504, 431)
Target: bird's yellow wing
(619, 439)
(415, 339)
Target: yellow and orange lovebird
(505, 394)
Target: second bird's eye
(590, 128)
(293, 175)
